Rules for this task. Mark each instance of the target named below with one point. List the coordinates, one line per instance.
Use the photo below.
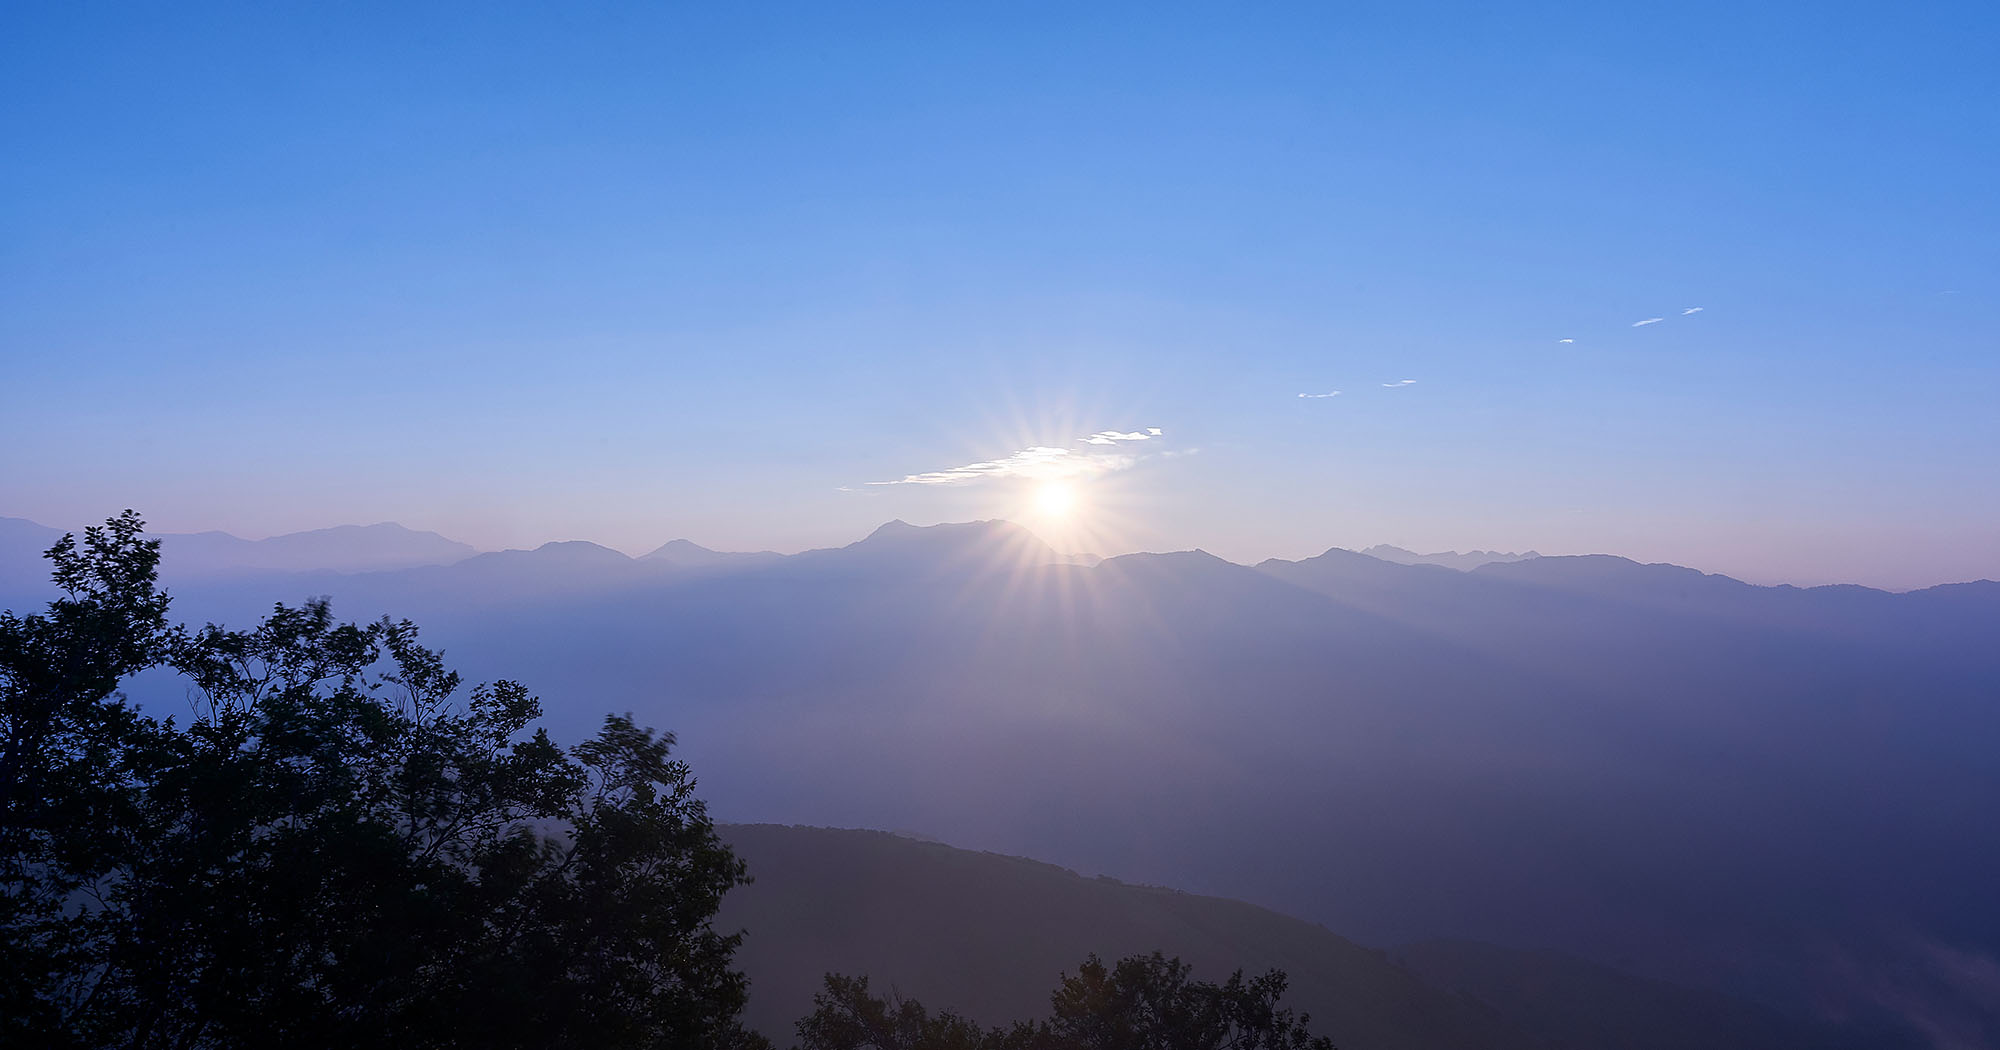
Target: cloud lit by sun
(1081, 491)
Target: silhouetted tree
(847, 1017)
(66, 744)
(1145, 1002)
(1150, 1002)
(339, 848)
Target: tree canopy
(340, 845)
(1144, 1002)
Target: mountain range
(1446, 559)
(342, 548)
(1773, 793)
(388, 546)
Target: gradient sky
(627, 273)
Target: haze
(618, 525)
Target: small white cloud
(1330, 393)
(1693, 310)
(1040, 462)
(1565, 340)
(1400, 382)
(1647, 321)
(1112, 437)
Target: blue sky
(627, 273)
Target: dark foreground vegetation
(332, 848)
(338, 846)
(1144, 1002)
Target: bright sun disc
(1055, 500)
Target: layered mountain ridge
(1641, 765)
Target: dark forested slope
(986, 935)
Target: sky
(766, 276)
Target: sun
(1055, 499)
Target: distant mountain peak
(384, 545)
(957, 540)
(1465, 562)
(687, 554)
(1196, 556)
(899, 529)
(580, 548)
(380, 526)
(673, 547)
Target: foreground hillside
(986, 935)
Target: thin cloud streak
(1565, 340)
(1647, 321)
(1330, 393)
(1112, 437)
(1693, 310)
(1400, 382)
(1040, 463)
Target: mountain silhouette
(685, 554)
(191, 555)
(977, 546)
(23, 572)
(1447, 559)
(343, 548)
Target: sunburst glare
(1055, 500)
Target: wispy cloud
(1647, 321)
(1565, 340)
(1040, 462)
(1112, 437)
(1330, 393)
(1400, 382)
(1693, 310)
